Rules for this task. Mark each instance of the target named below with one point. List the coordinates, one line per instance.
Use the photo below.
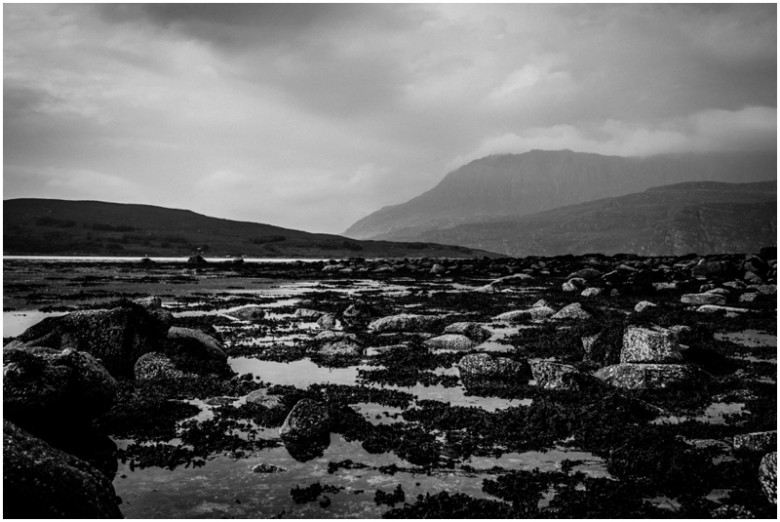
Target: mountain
(702, 218)
(521, 184)
(58, 227)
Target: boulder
(196, 260)
(150, 303)
(753, 278)
(703, 299)
(649, 345)
(327, 321)
(335, 335)
(641, 306)
(572, 311)
(344, 347)
(529, 314)
(307, 420)
(117, 337)
(591, 291)
(749, 297)
(438, 269)
(307, 313)
(474, 331)
(481, 366)
(573, 285)
(154, 366)
(450, 342)
(551, 375)
(42, 482)
(46, 387)
(758, 441)
(248, 313)
(767, 476)
(403, 323)
(264, 399)
(632, 376)
(202, 344)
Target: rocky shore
(621, 357)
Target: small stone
(591, 292)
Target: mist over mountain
(504, 187)
(698, 217)
(60, 227)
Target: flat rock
(485, 366)
(308, 313)
(632, 376)
(529, 314)
(403, 322)
(649, 345)
(703, 299)
(641, 306)
(572, 311)
(728, 310)
(344, 347)
(248, 313)
(450, 342)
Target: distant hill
(58, 227)
(702, 218)
(511, 185)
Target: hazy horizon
(313, 116)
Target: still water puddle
(15, 323)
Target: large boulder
(200, 344)
(307, 420)
(650, 345)
(403, 323)
(485, 366)
(631, 376)
(450, 342)
(40, 481)
(47, 387)
(473, 331)
(767, 476)
(117, 337)
(551, 375)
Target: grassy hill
(59, 227)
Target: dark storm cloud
(259, 111)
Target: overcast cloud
(312, 116)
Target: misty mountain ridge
(513, 185)
(59, 227)
(685, 218)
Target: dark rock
(40, 481)
(264, 399)
(767, 475)
(117, 337)
(357, 316)
(473, 331)
(196, 260)
(42, 386)
(403, 323)
(649, 345)
(307, 420)
(529, 314)
(652, 376)
(588, 274)
(602, 349)
(201, 344)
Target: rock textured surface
(652, 376)
(307, 420)
(649, 345)
(767, 475)
(40, 481)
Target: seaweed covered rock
(154, 366)
(43, 386)
(758, 441)
(632, 376)
(199, 343)
(482, 366)
(473, 331)
(307, 420)
(404, 323)
(117, 337)
(343, 347)
(551, 375)
(649, 345)
(450, 342)
(357, 316)
(767, 476)
(327, 321)
(40, 481)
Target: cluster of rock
(59, 375)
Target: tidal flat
(559, 387)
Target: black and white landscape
(383, 260)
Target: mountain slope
(522, 184)
(703, 217)
(58, 227)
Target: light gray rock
(572, 311)
(403, 323)
(632, 376)
(767, 476)
(649, 345)
(264, 399)
(344, 347)
(450, 342)
(473, 331)
(641, 306)
(248, 313)
(482, 366)
(551, 375)
(591, 291)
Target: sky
(313, 116)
